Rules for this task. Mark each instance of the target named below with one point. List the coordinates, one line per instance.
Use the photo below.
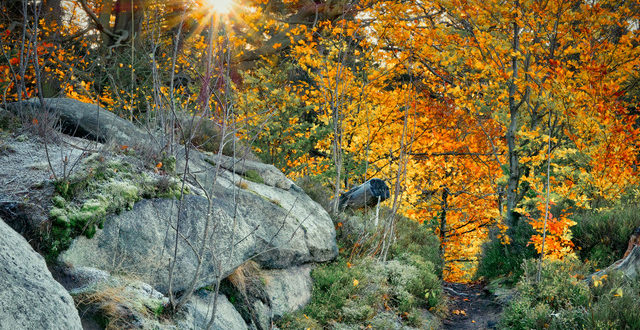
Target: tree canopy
(477, 113)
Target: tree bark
(443, 221)
(104, 18)
(129, 17)
(52, 14)
(514, 162)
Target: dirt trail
(472, 307)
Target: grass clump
(118, 305)
(253, 176)
(563, 300)
(601, 238)
(244, 287)
(83, 200)
(8, 121)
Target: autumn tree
(471, 110)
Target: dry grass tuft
(244, 276)
(116, 307)
(242, 184)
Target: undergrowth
(505, 261)
(359, 291)
(601, 237)
(564, 300)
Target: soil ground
(471, 307)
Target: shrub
(561, 300)
(602, 238)
(318, 192)
(8, 121)
(357, 291)
(615, 303)
(417, 238)
(500, 260)
(553, 300)
(358, 235)
(358, 295)
(207, 136)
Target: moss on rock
(84, 200)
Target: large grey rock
(29, 296)
(288, 289)
(198, 311)
(313, 219)
(274, 226)
(243, 225)
(85, 120)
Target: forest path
(471, 307)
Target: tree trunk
(443, 221)
(104, 18)
(129, 16)
(52, 14)
(514, 163)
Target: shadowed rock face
(29, 296)
(197, 313)
(84, 120)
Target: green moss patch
(253, 176)
(83, 201)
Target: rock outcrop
(30, 298)
(236, 210)
(243, 225)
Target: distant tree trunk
(104, 18)
(443, 221)
(52, 14)
(129, 15)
